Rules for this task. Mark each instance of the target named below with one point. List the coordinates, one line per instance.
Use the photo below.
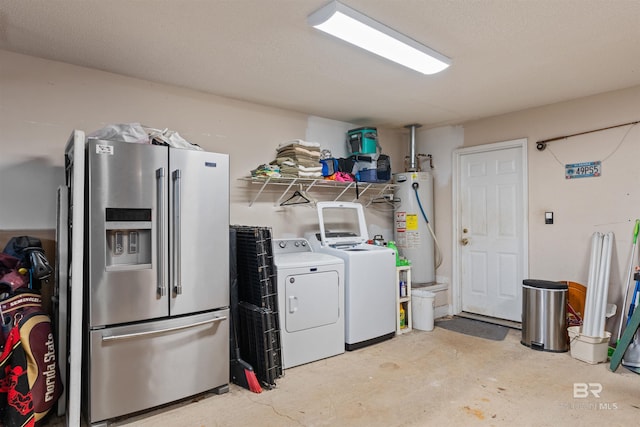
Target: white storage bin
(588, 349)
(423, 304)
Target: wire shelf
(307, 184)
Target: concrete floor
(422, 379)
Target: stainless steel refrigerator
(156, 288)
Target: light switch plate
(548, 217)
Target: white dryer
(370, 271)
(310, 302)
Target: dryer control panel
(294, 245)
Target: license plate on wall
(583, 170)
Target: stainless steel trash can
(544, 315)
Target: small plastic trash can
(544, 315)
(423, 304)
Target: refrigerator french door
(157, 288)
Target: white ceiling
(507, 55)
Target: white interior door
(491, 229)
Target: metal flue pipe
(413, 158)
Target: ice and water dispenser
(128, 238)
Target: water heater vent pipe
(413, 159)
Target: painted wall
(42, 101)
(440, 143)
(581, 206)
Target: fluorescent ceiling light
(353, 27)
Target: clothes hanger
(297, 198)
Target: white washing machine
(370, 272)
(310, 302)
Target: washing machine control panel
(285, 246)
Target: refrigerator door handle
(162, 331)
(177, 251)
(160, 229)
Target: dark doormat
(475, 328)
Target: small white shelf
(403, 273)
(306, 184)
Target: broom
(242, 373)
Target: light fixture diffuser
(353, 27)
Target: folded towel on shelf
(289, 172)
(290, 168)
(310, 168)
(309, 174)
(284, 161)
(298, 142)
(300, 161)
(299, 158)
(297, 151)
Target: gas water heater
(413, 212)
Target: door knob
(464, 241)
